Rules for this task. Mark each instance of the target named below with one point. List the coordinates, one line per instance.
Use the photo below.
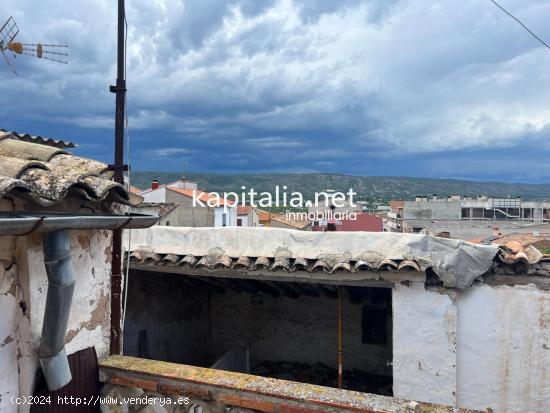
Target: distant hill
(375, 189)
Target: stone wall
(301, 330)
(134, 384)
(172, 316)
(123, 399)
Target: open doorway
(284, 330)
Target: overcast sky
(450, 88)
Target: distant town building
(280, 221)
(264, 217)
(363, 222)
(166, 211)
(247, 216)
(339, 206)
(467, 218)
(192, 212)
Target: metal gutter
(15, 223)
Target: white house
(196, 207)
(247, 216)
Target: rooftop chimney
(154, 184)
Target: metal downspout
(61, 280)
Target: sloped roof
(290, 222)
(163, 208)
(201, 195)
(519, 247)
(457, 263)
(25, 137)
(47, 175)
(264, 216)
(243, 209)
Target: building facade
(193, 209)
(247, 216)
(467, 218)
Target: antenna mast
(118, 167)
(8, 33)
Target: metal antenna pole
(118, 167)
(340, 355)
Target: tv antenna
(9, 32)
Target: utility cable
(128, 154)
(521, 24)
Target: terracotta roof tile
(243, 209)
(46, 174)
(290, 222)
(264, 216)
(244, 263)
(518, 247)
(201, 195)
(163, 208)
(58, 143)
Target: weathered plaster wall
(173, 315)
(424, 345)
(191, 325)
(297, 330)
(503, 358)
(89, 317)
(187, 215)
(432, 210)
(15, 350)
(23, 287)
(489, 347)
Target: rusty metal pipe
(118, 167)
(340, 355)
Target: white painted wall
(244, 219)
(23, 284)
(231, 220)
(503, 358)
(286, 329)
(424, 348)
(487, 348)
(155, 195)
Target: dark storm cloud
(450, 88)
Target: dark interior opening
(285, 330)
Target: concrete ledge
(219, 388)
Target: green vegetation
(374, 190)
(544, 250)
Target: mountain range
(374, 189)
